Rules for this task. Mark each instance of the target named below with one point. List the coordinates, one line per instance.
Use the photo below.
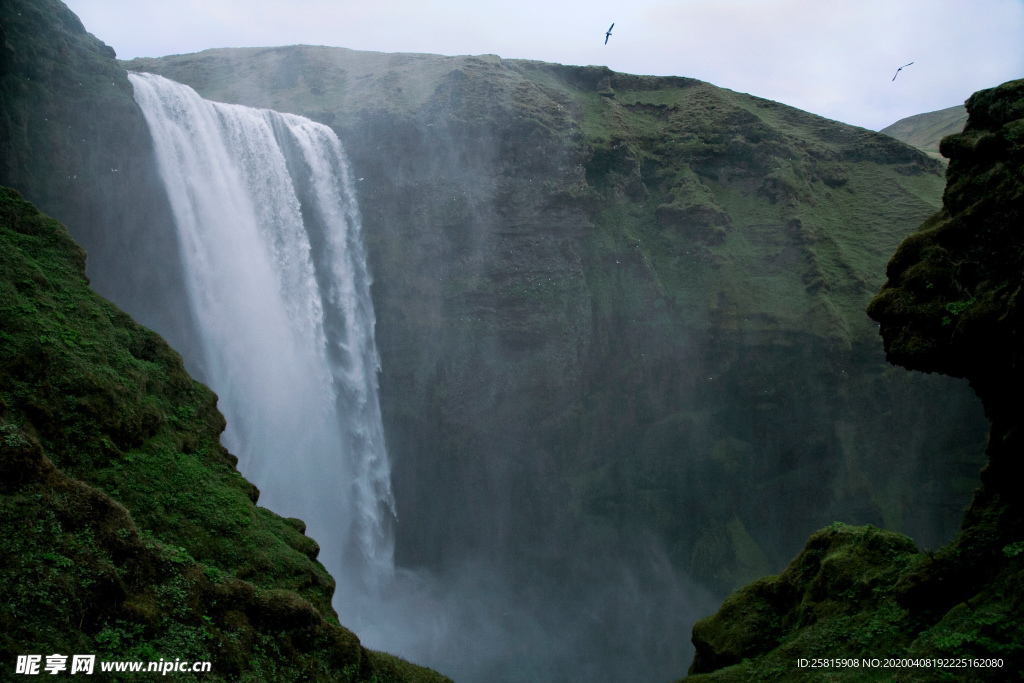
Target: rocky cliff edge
(951, 305)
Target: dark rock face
(949, 306)
(74, 142)
(607, 322)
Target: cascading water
(278, 282)
(279, 288)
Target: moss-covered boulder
(841, 570)
(951, 301)
(125, 529)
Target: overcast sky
(831, 57)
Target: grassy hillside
(949, 305)
(925, 131)
(612, 305)
(126, 529)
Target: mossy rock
(950, 306)
(126, 529)
(839, 572)
(950, 303)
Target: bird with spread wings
(899, 70)
(609, 33)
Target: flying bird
(899, 70)
(609, 33)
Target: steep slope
(925, 131)
(126, 529)
(950, 306)
(618, 312)
(620, 317)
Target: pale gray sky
(831, 57)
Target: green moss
(950, 285)
(836, 597)
(629, 280)
(947, 307)
(126, 529)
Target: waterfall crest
(278, 282)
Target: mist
(585, 459)
(276, 275)
(549, 359)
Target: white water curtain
(278, 282)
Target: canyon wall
(624, 312)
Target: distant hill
(925, 131)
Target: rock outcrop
(620, 317)
(73, 141)
(949, 306)
(125, 529)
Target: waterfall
(277, 279)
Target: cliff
(949, 306)
(73, 141)
(127, 532)
(616, 307)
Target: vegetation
(126, 529)
(925, 131)
(948, 306)
(615, 313)
(630, 306)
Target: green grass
(125, 528)
(713, 253)
(925, 131)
